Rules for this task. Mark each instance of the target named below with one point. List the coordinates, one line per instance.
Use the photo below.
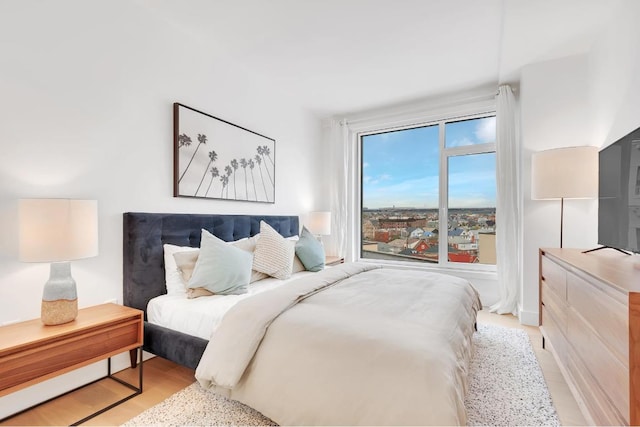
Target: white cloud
(486, 130)
(365, 165)
(383, 177)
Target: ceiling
(341, 56)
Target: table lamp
(565, 173)
(319, 223)
(58, 231)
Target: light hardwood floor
(163, 378)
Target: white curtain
(336, 135)
(508, 233)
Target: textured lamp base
(59, 298)
(59, 312)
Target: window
(428, 192)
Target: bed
(354, 344)
(144, 235)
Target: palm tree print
(262, 153)
(252, 165)
(244, 164)
(224, 179)
(202, 139)
(183, 140)
(267, 152)
(228, 172)
(259, 162)
(212, 158)
(214, 173)
(234, 165)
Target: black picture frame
(216, 159)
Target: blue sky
(401, 168)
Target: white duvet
(351, 345)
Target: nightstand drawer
(30, 363)
(31, 352)
(333, 260)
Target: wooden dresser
(590, 316)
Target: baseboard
(531, 318)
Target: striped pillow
(274, 254)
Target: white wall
(614, 76)
(554, 113)
(87, 91)
(590, 99)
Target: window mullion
(443, 225)
(471, 149)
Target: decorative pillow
(274, 254)
(310, 251)
(221, 268)
(186, 261)
(198, 292)
(297, 265)
(249, 245)
(172, 275)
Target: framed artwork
(216, 159)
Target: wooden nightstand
(333, 260)
(31, 352)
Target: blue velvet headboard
(145, 233)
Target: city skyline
(401, 168)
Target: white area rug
(506, 387)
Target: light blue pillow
(221, 268)
(310, 251)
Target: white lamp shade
(319, 223)
(54, 230)
(569, 173)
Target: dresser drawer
(554, 306)
(600, 409)
(555, 277)
(606, 315)
(552, 332)
(611, 375)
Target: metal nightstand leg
(136, 390)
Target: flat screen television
(619, 194)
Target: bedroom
(88, 89)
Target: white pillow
(173, 276)
(273, 254)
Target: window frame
(381, 126)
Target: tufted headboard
(145, 233)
